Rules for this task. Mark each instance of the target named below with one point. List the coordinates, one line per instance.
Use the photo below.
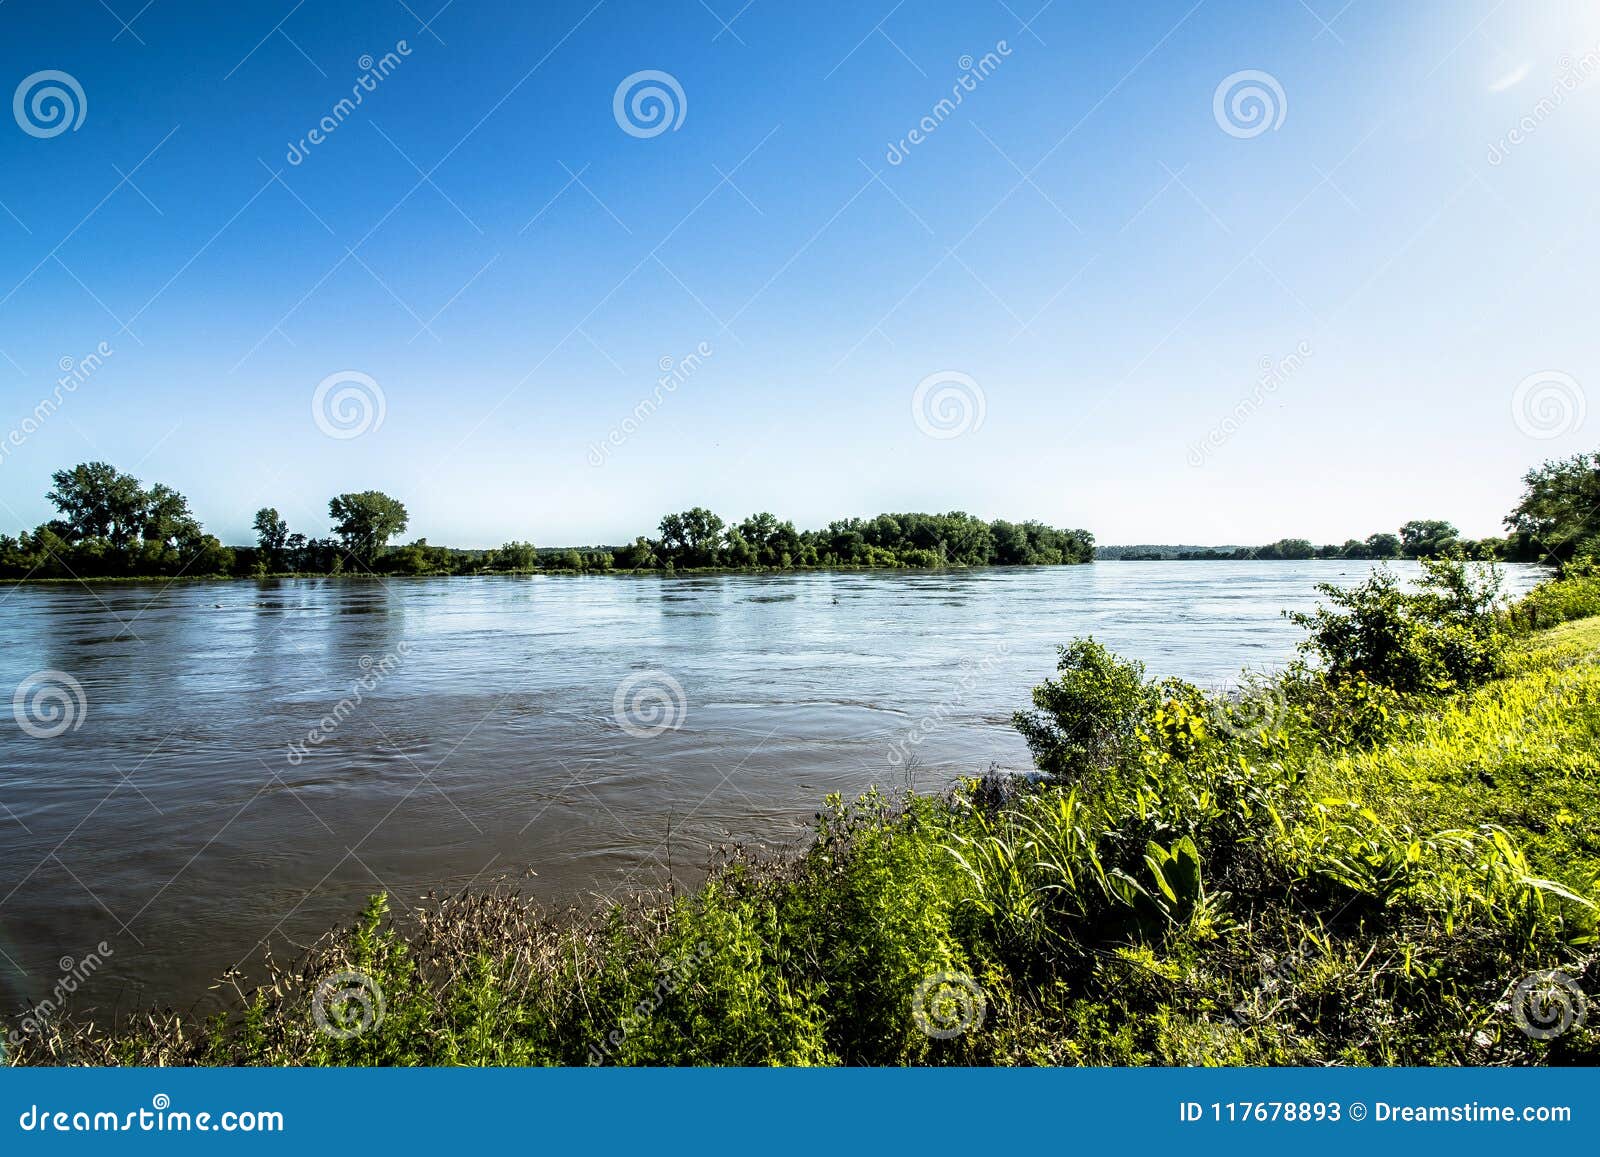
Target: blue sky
(1105, 259)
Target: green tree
(517, 556)
(1011, 545)
(1427, 538)
(365, 522)
(1294, 548)
(166, 519)
(692, 538)
(1382, 546)
(272, 537)
(99, 501)
(1558, 516)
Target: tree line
(110, 525)
(1419, 538)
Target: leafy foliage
(1086, 720)
(112, 524)
(1445, 635)
(365, 522)
(1558, 516)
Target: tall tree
(365, 522)
(1559, 514)
(1427, 538)
(99, 501)
(166, 518)
(272, 537)
(1382, 546)
(692, 538)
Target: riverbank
(1311, 873)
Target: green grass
(1522, 753)
(1349, 878)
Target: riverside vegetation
(112, 526)
(1383, 855)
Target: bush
(1573, 594)
(1086, 721)
(1446, 635)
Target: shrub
(1446, 635)
(1573, 594)
(1085, 722)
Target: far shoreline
(682, 572)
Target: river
(247, 761)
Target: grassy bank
(1331, 868)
